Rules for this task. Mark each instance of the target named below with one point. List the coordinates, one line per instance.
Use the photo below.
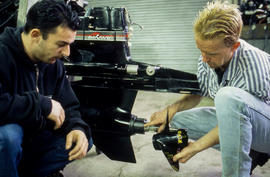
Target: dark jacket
(20, 101)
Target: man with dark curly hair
(41, 129)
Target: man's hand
(187, 101)
(158, 119)
(186, 153)
(57, 114)
(208, 140)
(81, 144)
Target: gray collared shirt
(249, 70)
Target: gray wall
(261, 44)
(23, 8)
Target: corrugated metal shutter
(167, 37)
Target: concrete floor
(152, 163)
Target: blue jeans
(244, 124)
(37, 156)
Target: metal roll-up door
(167, 36)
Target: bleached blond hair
(219, 20)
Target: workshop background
(163, 35)
(167, 35)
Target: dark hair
(46, 15)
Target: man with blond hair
(236, 75)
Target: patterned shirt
(249, 70)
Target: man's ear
(236, 45)
(35, 34)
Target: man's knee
(11, 136)
(232, 103)
(181, 119)
(229, 97)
